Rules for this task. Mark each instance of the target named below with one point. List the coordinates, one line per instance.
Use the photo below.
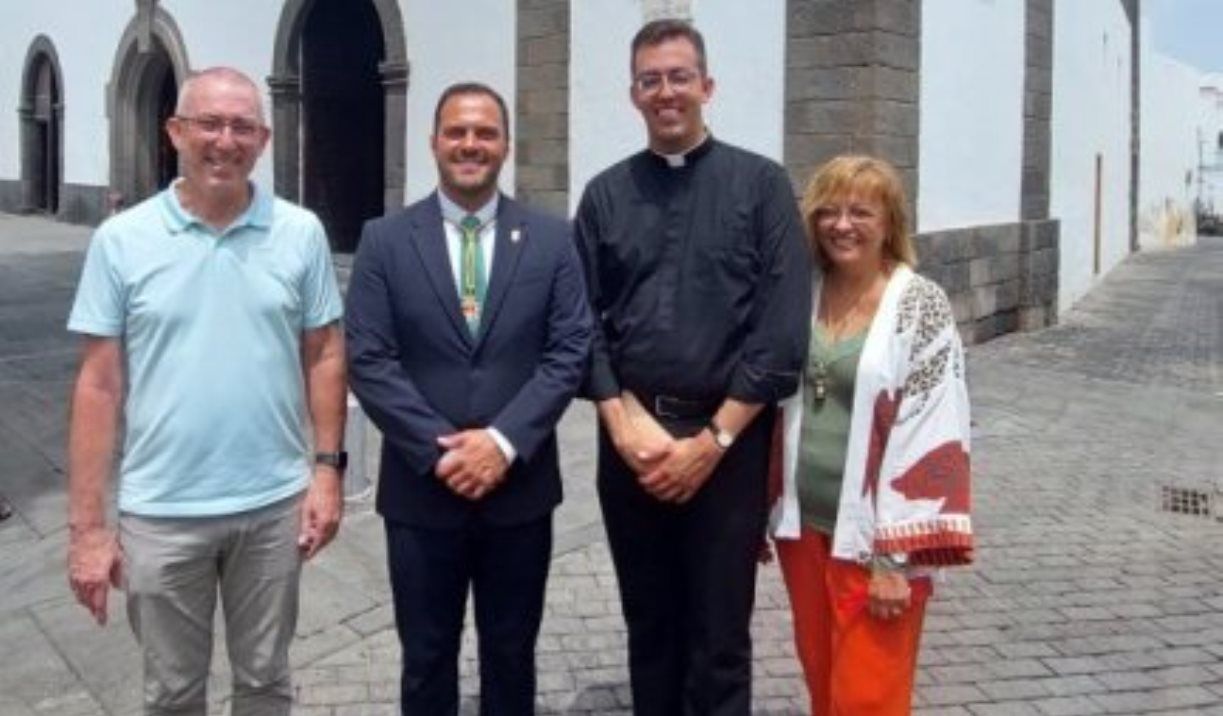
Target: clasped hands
(670, 469)
(473, 465)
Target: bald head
(215, 76)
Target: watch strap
(338, 459)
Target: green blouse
(828, 398)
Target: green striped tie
(472, 278)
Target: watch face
(723, 439)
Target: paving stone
(952, 694)
(1133, 702)
(1068, 706)
(1004, 708)
(1073, 685)
(1087, 599)
(1013, 689)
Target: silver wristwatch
(722, 438)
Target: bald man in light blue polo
(209, 315)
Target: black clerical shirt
(699, 276)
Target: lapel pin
(515, 235)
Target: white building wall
(85, 43)
(1170, 130)
(603, 126)
(242, 34)
(446, 46)
(745, 46)
(1090, 119)
(971, 131)
(236, 34)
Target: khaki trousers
(174, 570)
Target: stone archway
(41, 113)
(326, 91)
(150, 66)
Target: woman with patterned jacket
(872, 476)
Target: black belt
(676, 408)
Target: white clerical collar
(454, 213)
(681, 159)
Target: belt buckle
(660, 411)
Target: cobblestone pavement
(1089, 597)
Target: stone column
(286, 136)
(1037, 101)
(395, 108)
(29, 158)
(1133, 12)
(542, 106)
(1039, 249)
(852, 83)
(662, 9)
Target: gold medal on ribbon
(470, 307)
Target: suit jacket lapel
(511, 240)
(430, 241)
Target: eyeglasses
(856, 213)
(211, 126)
(680, 79)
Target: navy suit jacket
(419, 373)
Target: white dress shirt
(452, 215)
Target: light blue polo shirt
(216, 414)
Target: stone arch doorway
(41, 111)
(342, 117)
(338, 111)
(150, 66)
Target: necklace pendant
(820, 388)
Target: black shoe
(6, 510)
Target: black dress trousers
(687, 576)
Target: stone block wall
(1000, 278)
(12, 196)
(852, 83)
(542, 107)
(1003, 278)
(78, 203)
(83, 204)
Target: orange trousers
(855, 664)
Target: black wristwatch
(338, 460)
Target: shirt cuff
(752, 385)
(601, 383)
(507, 449)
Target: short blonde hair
(857, 175)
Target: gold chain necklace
(818, 371)
(836, 328)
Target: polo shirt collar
(454, 213)
(258, 213)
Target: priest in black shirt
(700, 276)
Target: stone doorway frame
(285, 86)
(128, 94)
(33, 152)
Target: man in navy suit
(468, 331)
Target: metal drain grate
(1187, 501)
